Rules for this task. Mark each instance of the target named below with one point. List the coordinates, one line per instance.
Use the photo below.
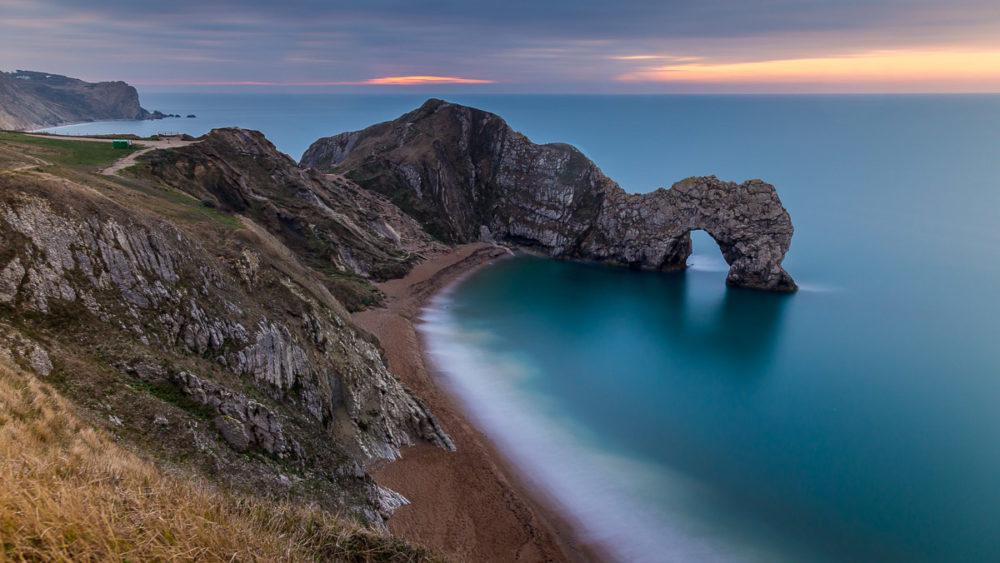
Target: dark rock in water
(31, 100)
(466, 175)
(191, 116)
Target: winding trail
(27, 165)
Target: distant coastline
(31, 100)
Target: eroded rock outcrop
(466, 175)
(21, 350)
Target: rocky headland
(467, 176)
(32, 100)
(230, 314)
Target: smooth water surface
(677, 420)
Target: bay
(676, 419)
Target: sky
(529, 46)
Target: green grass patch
(170, 393)
(354, 292)
(67, 152)
(199, 209)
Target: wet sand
(469, 504)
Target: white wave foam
(817, 287)
(616, 501)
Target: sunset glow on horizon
(967, 68)
(416, 80)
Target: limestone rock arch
(466, 176)
(653, 230)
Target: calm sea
(676, 420)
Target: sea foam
(613, 500)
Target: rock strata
(466, 175)
(283, 370)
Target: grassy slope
(68, 492)
(76, 154)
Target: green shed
(121, 143)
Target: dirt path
(129, 160)
(27, 165)
(123, 163)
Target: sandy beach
(469, 504)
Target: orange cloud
(412, 80)
(383, 81)
(876, 67)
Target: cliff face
(203, 337)
(30, 100)
(466, 175)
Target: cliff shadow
(734, 326)
(747, 327)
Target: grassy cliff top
(66, 152)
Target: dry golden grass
(67, 492)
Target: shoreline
(41, 130)
(471, 504)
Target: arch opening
(706, 254)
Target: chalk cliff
(466, 175)
(31, 100)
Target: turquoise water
(677, 420)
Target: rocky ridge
(466, 175)
(330, 222)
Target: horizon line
(419, 80)
(577, 93)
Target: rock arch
(653, 230)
